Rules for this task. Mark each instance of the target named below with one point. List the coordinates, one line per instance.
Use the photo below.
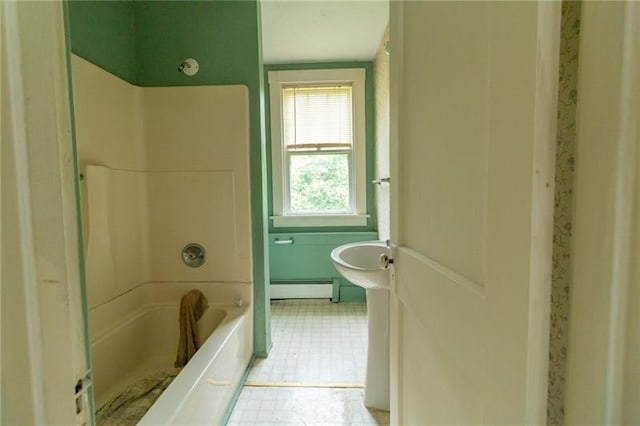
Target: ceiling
(329, 30)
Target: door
(473, 105)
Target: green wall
(144, 42)
(221, 35)
(102, 32)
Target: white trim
(301, 291)
(47, 240)
(544, 155)
(320, 220)
(2, 25)
(355, 76)
(601, 385)
(396, 325)
(22, 183)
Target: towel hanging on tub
(192, 306)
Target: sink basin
(360, 263)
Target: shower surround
(163, 167)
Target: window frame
(279, 157)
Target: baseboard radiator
(306, 289)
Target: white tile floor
(315, 371)
(315, 341)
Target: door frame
(45, 275)
(396, 64)
(602, 369)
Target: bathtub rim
(173, 399)
(144, 370)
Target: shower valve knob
(193, 255)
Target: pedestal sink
(365, 265)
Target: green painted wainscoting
(308, 260)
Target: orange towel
(192, 306)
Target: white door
(473, 105)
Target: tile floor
(315, 371)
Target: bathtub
(136, 335)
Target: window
(318, 147)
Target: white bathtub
(136, 335)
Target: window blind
(317, 118)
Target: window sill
(320, 220)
